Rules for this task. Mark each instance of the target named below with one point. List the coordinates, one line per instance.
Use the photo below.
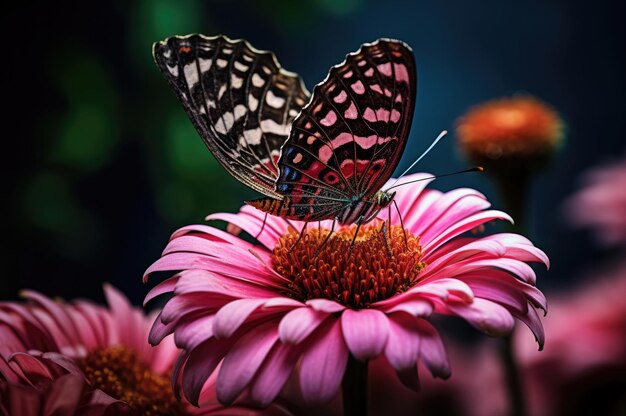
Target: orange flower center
(377, 266)
(122, 374)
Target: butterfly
(318, 156)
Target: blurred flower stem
(354, 388)
(513, 185)
(513, 182)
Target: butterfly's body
(318, 156)
(358, 210)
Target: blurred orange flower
(520, 126)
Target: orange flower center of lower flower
(377, 266)
(122, 374)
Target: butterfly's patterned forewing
(239, 99)
(346, 143)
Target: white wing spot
(240, 111)
(257, 81)
(235, 81)
(205, 64)
(173, 70)
(369, 72)
(191, 74)
(221, 91)
(270, 126)
(224, 123)
(347, 74)
(253, 136)
(241, 67)
(227, 51)
(167, 53)
(253, 103)
(221, 63)
(274, 101)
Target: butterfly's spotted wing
(239, 99)
(347, 141)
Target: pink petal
(489, 317)
(325, 305)
(269, 235)
(299, 323)
(192, 332)
(64, 395)
(450, 208)
(412, 216)
(160, 330)
(365, 332)
(274, 373)
(203, 281)
(33, 368)
(243, 361)
(403, 345)
(416, 307)
(201, 363)
(165, 286)
(462, 226)
(432, 351)
(532, 320)
(212, 234)
(232, 315)
(323, 363)
(57, 313)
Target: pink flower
(601, 204)
(259, 312)
(56, 355)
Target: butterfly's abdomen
(278, 207)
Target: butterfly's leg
(299, 237)
(356, 233)
(319, 248)
(406, 240)
(262, 227)
(383, 230)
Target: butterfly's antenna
(475, 169)
(433, 144)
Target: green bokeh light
(88, 130)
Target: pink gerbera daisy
(82, 358)
(255, 314)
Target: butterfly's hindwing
(346, 143)
(239, 99)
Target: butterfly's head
(384, 198)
